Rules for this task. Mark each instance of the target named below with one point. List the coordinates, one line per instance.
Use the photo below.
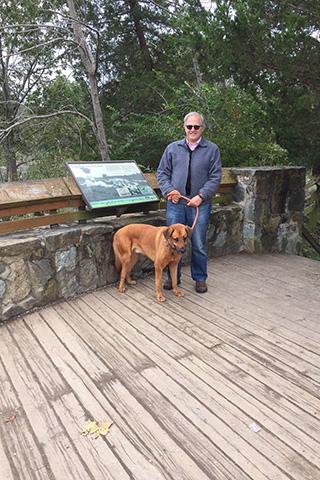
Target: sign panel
(112, 184)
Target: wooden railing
(30, 204)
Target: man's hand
(174, 196)
(195, 201)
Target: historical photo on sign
(110, 184)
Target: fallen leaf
(95, 429)
(105, 427)
(10, 419)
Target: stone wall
(272, 199)
(45, 265)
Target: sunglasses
(196, 127)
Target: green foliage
(251, 66)
(59, 139)
(236, 121)
(274, 47)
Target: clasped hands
(175, 196)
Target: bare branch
(38, 45)
(6, 131)
(74, 19)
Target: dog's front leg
(158, 275)
(173, 267)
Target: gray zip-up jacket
(206, 169)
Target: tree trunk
(197, 71)
(90, 66)
(135, 12)
(98, 117)
(10, 156)
(9, 114)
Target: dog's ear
(168, 232)
(189, 231)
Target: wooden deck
(219, 386)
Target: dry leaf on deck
(105, 427)
(10, 419)
(94, 429)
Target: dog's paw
(161, 297)
(122, 289)
(131, 281)
(178, 292)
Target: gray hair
(194, 113)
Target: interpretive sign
(111, 184)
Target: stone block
(19, 282)
(41, 272)
(67, 284)
(61, 238)
(88, 274)
(19, 247)
(66, 259)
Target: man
(191, 167)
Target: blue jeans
(180, 213)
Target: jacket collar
(202, 143)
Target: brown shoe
(201, 286)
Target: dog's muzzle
(180, 250)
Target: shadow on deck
(224, 385)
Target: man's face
(193, 134)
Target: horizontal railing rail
(30, 204)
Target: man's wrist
(201, 196)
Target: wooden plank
(152, 180)
(5, 469)
(160, 451)
(226, 437)
(116, 356)
(266, 289)
(98, 457)
(288, 279)
(176, 326)
(233, 435)
(285, 265)
(266, 416)
(247, 292)
(208, 309)
(182, 381)
(201, 316)
(300, 397)
(268, 343)
(32, 222)
(19, 452)
(17, 192)
(227, 184)
(40, 207)
(53, 334)
(72, 186)
(153, 433)
(302, 359)
(102, 462)
(134, 332)
(45, 424)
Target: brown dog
(163, 245)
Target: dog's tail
(116, 255)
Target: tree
(34, 44)
(25, 62)
(274, 47)
(47, 146)
(236, 122)
(90, 64)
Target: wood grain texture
(183, 381)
